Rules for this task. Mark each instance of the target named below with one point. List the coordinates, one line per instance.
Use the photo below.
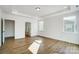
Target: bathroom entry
(27, 29)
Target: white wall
(78, 22)
(34, 28)
(20, 24)
(53, 28)
(9, 28)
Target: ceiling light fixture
(65, 7)
(14, 11)
(37, 8)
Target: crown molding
(60, 12)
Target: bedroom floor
(43, 46)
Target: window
(70, 24)
(41, 25)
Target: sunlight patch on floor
(34, 47)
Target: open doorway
(27, 29)
(1, 32)
(9, 28)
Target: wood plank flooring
(48, 46)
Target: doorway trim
(2, 31)
(28, 29)
(13, 28)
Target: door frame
(13, 28)
(28, 28)
(2, 32)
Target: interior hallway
(48, 46)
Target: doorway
(2, 39)
(9, 28)
(27, 29)
(2, 32)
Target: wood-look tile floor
(48, 46)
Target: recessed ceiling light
(37, 8)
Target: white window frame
(75, 24)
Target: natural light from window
(70, 24)
(41, 25)
(34, 47)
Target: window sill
(71, 32)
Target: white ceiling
(30, 9)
